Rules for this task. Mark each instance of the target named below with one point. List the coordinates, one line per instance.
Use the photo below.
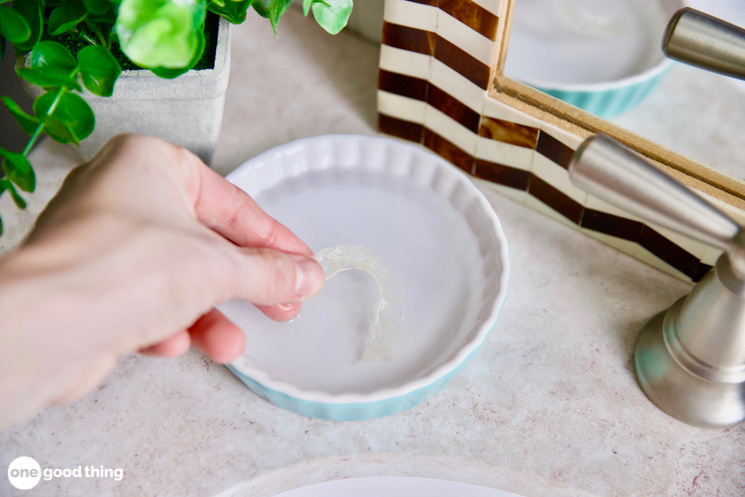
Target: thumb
(268, 277)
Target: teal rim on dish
(427, 220)
(608, 101)
(352, 411)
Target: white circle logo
(24, 473)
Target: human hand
(132, 254)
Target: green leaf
(97, 7)
(18, 161)
(107, 19)
(332, 15)
(47, 80)
(167, 73)
(71, 120)
(99, 70)
(232, 10)
(27, 123)
(13, 25)
(306, 6)
(272, 10)
(20, 203)
(160, 33)
(31, 11)
(58, 131)
(26, 180)
(18, 170)
(66, 16)
(51, 57)
(1, 223)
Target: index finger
(230, 211)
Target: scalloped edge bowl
(424, 168)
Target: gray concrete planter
(186, 110)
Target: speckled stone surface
(708, 108)
(549, 407)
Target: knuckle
(233, 208)
(276, 278)
(271, 235)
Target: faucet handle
(607, 169)
(705, 41)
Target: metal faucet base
(680, 385)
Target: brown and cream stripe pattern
(435, 69)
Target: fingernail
(309, 277)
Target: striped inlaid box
(441, 85)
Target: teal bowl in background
(603, 56)
(611, 99)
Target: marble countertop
(549, 407)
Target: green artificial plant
(71, 44)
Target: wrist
(38, 360)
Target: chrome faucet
(704, 41)
(689, 359)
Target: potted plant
(97, 68)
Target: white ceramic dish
(395, 486)
(420, 214)
(603, 56)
